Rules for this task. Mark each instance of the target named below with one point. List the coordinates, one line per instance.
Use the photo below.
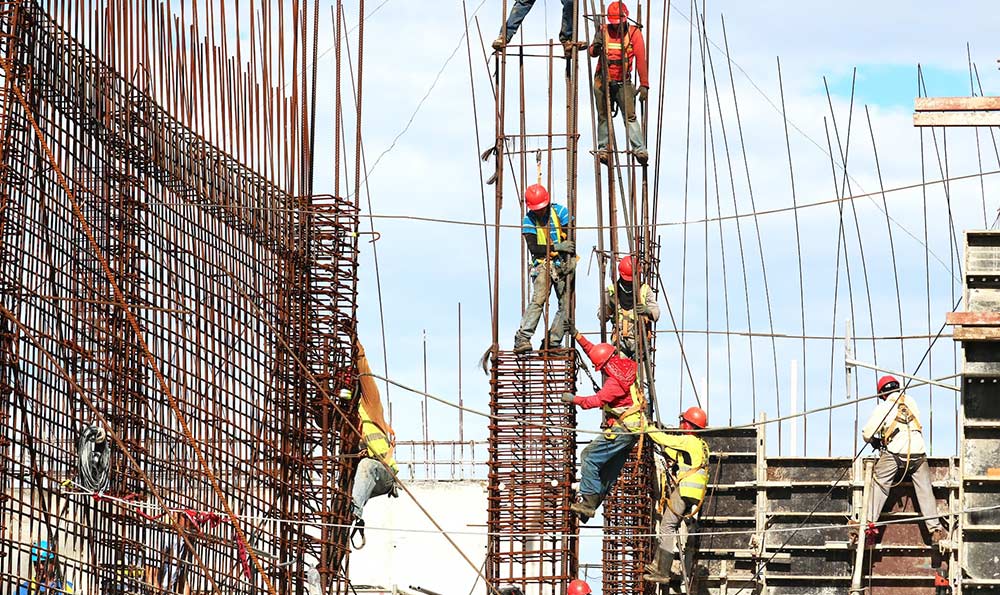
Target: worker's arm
(874, 425)
(652, 308)
(608, 393)
(597, 46)
(639, 47)
(537, 250)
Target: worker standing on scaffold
(630, 314)
(895, 428)
(520, 9)
(618, 44)
(682, 489)
(624, 407)
(545, 228)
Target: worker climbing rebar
(624, 406)
(630, 313)
(894, 427)
(46, 573)
(376, 471)
(617, 45)
(520, 9)
(682, 490)
(553, 262)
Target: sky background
(421, 146)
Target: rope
(94, 458)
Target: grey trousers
(671, 521)
(544, 278)
(370, 479)
(887, 472)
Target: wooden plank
(973, 318)
(962, 118)
(976, 333)
(948, 104)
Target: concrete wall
(424, 559)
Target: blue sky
(428, 268)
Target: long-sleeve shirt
(619, 374)
(638, 49)
(909, 438)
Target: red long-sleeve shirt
(619, 376)
(638, 51)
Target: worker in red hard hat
(619, 45)
(545, 229)
(894, 427)
(520, 9)
(624, 406)
(578, 587)
(682, 484)
(630, 313)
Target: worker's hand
(641, 309)
(643, 93)
(567, 398)
(568, 247)
(597, 46)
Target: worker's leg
(670, 522)
(518, 11)
(557, 329)
(599, 461)
(601, 103)
(626, 99)
(370, 479)
(921, 478)
(884, 475)
(616, 462)
(566, 31)
(533, 312)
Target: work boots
(586, 506)
(658, 571)
(499, 42)
(521, 345)
(642, 156)
(938, 535)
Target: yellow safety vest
(542, 231)
(632, 418)
(377, 443)
(691, 455)
(625, 320)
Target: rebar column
(532, 543)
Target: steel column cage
(532, 543)
(245, 298)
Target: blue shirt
(528, 224)
(53, 588)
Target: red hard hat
(885, 381)
(578, 587)
(695, 416)
(617, 12)
(625, 268)
(600, 354)
(536, 197)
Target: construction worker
(623, 404)
(171, 576)
(629, 312)
(520, 9)
(578, 587)
(545, 230)
(46, 576)
(376, 472)
(618, 45)
(894, 427)
(680, 498)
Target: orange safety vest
(614, 49)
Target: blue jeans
(603, 460)
(520, 10)
(370, 479)
(622, 94)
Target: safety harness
(542, 232)
(693, 477)
(905, 418)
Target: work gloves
(643, 93)
(567, 398)
(568, 247)
(598, 46)
(642, 309)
